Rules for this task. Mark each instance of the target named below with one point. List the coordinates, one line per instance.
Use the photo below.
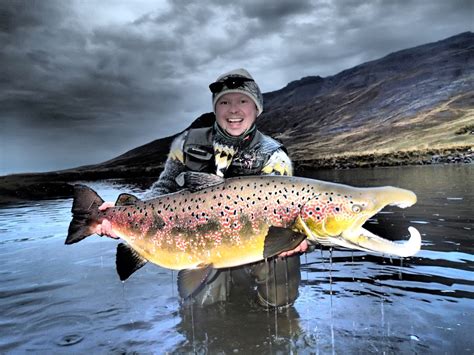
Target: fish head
(336, 218)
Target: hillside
(413, 100)
(412, 103)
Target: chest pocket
(198, 158)
(246, 163)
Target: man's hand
(299, 249)
(105, 228)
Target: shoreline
(20, 188)
(458, 155)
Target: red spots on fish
(328, 204)
(181, 243)
(196, 222)
(313, 211)
(226, 223)
(235, 238)
(202, 218)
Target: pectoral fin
(191, 281)
(279, 240)
(127, 261)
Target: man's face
(235, 113)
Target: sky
(83, 81)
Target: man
(233, 146)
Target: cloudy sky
(83, 81)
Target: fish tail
(85, 214)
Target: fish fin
(191, 281)
(195, 181)
(126, 200)
(279, 240)
(85, 210)
(127, 261)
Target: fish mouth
(359, 238)
(370, 242)
(362, 239)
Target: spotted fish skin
(223, 225)
(227, 224)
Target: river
(68, 299)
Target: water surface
(68, 299)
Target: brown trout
(218, 223)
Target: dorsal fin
(126, 200)
(195, 181)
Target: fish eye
(356, 208)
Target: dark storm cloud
(342, 34)
(272, 15)
(83, 81)
(21, 15)
(59, 74)
(69, 86)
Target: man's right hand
(105, 228)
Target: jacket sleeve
(279, 163)
(174, 166)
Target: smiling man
(231, 147)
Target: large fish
(218, 223)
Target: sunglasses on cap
(230, 83)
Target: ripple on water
(420, 222)
(32, 289)
(135, 325)
(69, 339)
(64, 330)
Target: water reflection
(264, 331)
(56, 298)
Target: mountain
(411, 106)
(416, 99)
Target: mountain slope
(414, 99)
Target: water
(68, 299)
